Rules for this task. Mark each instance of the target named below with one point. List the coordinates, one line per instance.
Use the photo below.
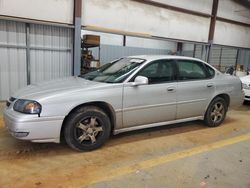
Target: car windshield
(115, 72)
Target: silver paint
(134, 107)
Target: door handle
(210, 85)
(171, 89)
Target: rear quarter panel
(230, 85)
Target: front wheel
(87, 129)
(216, 112)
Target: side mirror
(140, 80)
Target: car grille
(11, 99)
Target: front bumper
(247, 94)
(31, 127)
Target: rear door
(155, 102)
(195, 88)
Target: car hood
(54, 88)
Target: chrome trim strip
(118, 110)
(55, 140)
(164, 104)
(118, 131)
(39, 119)
(191, 101)
(148, 106)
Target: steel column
(27, 28)
(221, 49)
(236, 61)
(77, 37)
(194, 50)
(124, 40)
(213, 21)
(179, 48)
(212, 28)
(204, 52)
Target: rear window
(191, 70)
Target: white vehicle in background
(246, 86)
(231, 71)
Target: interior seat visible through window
(159, 71)
(191, 70)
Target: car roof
(156, 57)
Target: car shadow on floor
(161, 131)
(246, 103)
(17, 148)
(244, 107)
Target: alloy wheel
(217, 112)
(88, 130)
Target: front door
(152, 103)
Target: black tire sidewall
(208, 119)
(74, 118)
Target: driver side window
(158, 71)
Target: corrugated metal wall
(13, 73)
(215, 56)
(111, 52)
(228, 57)
(220, 57)
(187, 50)
(187, 53)
(49, 54)
(198, 51)
(244, 59)
(195, 50)
(223, 57)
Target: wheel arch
(106, 107)
(208, 117)
(224, 96)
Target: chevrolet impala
(130, 93)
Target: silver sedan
(130, 93)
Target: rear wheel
(87, 129)
(216, 112)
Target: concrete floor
(182, 155)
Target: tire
(216, 112)
(87, 128)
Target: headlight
(27, 106)
(244, 86)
